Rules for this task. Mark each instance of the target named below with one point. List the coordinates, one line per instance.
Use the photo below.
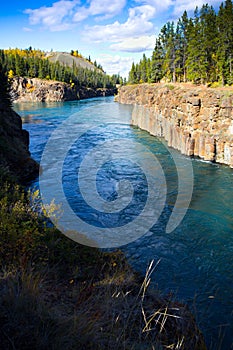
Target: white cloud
(26, 29)
(157, 4)
(114, 64)
(138, 44)
(181, 5)
(137, 24)
(55, 17)
(104, 8)
(63, 14)
(177, 6)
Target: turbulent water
(195, 260)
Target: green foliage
(25, 236)
(5, 98)
(198, 49)
(57, 294)
(33, 64)
(157, 72)
(170, 86)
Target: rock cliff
(14, 146)
(34, 89)
(197, 121)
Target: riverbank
(196, 120)
(55, 293)
(14, 146)
(41, 90)
(58, 294)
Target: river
(195, 259)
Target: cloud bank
(118, 25)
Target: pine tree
(19, 66)
(168, 39)
(5, 97)
(132, 75)
(196, 63)
(209, 40)
(182, 38)
(143, 69)
(157, 62)
(224, 55)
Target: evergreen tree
(196, 63)
(5, 97)
(168, 39)
(199, 49)
(209, 40)
(182, 37)
(224, 55)
(19, 66)
(132, 75)
(33, 64)
(143, 69)
(157, 62)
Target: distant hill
(68, 60)
(71, 68)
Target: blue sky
(113, 32)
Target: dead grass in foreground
(57, 294)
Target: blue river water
(195, 260)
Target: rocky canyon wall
(14, 146)
(197, 121)
(41, 90)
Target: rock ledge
(197, 121)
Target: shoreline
(42, 90)
(195, 120)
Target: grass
(170, 86)
(57, 294)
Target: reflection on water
(28, 118)
(196, 259)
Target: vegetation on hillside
(5, 98)
(57, 294)
(198, 49)
(76, 53)
(33, 64)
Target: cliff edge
(42, 90)
(14, 146)
(196, 120)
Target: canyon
(196, 120)
(41, 90)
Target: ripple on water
(196, 259)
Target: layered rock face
(197, 121)
(38, 90)
(14, 146)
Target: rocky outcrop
(14, 146)
(39, 90)
(25, 90)
(197, 121)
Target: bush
(57, 294)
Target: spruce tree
(5, 97)
(157, 62)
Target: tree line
(198, 49)
(33, 64)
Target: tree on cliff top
(5, 97)
(198, 49)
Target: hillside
(68, 60)
(63, 67)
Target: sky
(114, 33)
